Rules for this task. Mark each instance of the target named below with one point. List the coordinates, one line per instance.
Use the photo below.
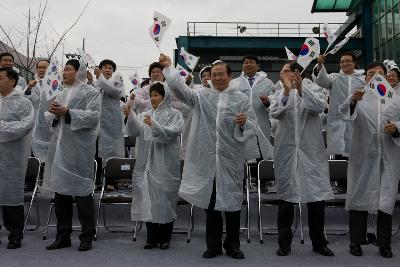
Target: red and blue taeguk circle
(135, 82)
(183, 73)
(304, 50)
(381, 89)
(54, 85)
(156, 28)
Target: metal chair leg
(48, 222)
(97, 220)
(190, 225)
(248, 207)
(135, 231)
(301, 225)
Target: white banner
(190, 60)
(309, 51)
(159, 27)
(51, 82)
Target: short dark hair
(11, 74)
(351, 54)
(40, 60)
(250, 57)
(155, 65)
(74, 63)
(205, 69)
(157, 87)
(374, 65)
(397, 72)
(145, 82)
(108, 62)
(6, 54)
(228, 68)
(296, 66)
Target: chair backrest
(338, 170)
(266, 170)
(119, 169)
(32, 173)
(130, 141)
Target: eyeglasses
(346, 61)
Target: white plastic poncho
(70, 165)
(41, 133)
(262, 86)
(374, 169)
(34, 95)
(111, 137)
(156, 176)
(216, 144)
(300, 161)
(340, 86)
(16, 122)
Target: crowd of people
(214, 127)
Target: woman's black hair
(157, 87)
(108, 62)
(155, 65)
(74, 63)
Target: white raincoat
(262, 86)
(41, 133)
(340, 86)
(69, 168)
(111, 137)
(300, 161)
(374, 169)
(156, 176)
(216, 144)
(16, 123)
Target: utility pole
(83, 44)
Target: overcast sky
(118, 29)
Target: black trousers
(214, 227)
(159, 233)
(64, 211)
(316, 223)
(358, 228)
(13, 217)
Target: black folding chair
(338, 177)
(269, 199)
(130, 143)
(183, 203)
(117, 171)
(31, 189)
(246, 200)
(44, 236)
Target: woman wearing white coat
(373, 171)
(301, 164)
(156, 177)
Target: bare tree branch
(11, 43)
(70, 28)
(39, 23)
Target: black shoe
(164, 246)
(85, 246)
(283, 251)
(355, 250)
(14, 244)
(59, 244)
(235, 253)
(211, 253)
(386, 252)
(324, 251)
(150, 246)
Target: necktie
(251, 81)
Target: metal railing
(258, 29)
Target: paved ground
(118, 249)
